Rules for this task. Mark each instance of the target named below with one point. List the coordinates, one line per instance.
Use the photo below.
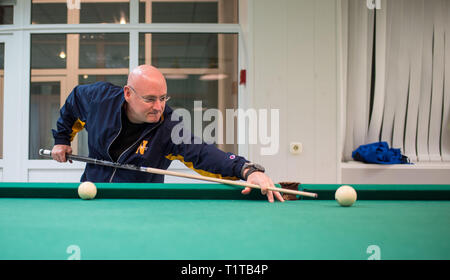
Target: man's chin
(152, 118)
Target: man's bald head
(147, 79)
(145, 94)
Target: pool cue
(48, 153)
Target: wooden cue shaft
(47, 153)
(224, 181)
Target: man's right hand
(59, 152)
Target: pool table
(216, 222)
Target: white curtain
(397, 76)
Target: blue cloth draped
(379, 152)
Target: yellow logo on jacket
(142, 148)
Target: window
(104, 50)
(105, 13)
(58, 12)
(197, 66)
(214, 11)
(48, 13)
(6, 14)
(44, 112)
(183, 50)
(48, 51)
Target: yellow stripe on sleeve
(77, 127)
(199, 171)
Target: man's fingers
(279, 196)
(270, 196)
(63, 157)
(59, 157)
(265, 183)
(264, 188)
(247, 190)
(59, 152)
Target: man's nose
(158, 105)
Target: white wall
(294, 69)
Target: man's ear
(126, 92)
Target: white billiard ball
(345, 195)
(87, 190)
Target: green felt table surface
(48, 225)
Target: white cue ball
(345, 195)
(87, 190)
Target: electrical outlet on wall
(296, 148)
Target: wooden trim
(103, 71)
(180, 0)
(48, 72)
(192, 71)
(82, 1)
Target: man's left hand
(264, 181)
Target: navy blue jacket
(97, 108)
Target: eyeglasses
(151, 99)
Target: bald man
(133, 125)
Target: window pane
(6, 14)
(48, 51)
(44, 112)
(196, 70)
(189, 12)
(98, 50)
(2, 75)
(163, 12)
(105, 13)
(141, 12)
(184, 50)
(45, 13)
(183, 90)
